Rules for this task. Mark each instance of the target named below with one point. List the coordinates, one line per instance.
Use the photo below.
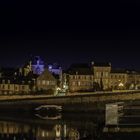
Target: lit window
(38, 82)
(73, 83)
(43, 82)
(79, 83)
(48, 83)
(8, 81)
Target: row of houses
(35, 78)
(100, 76)
(13, 82)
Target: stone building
(80, 77)
(11, 82)
(34, 64)
(46, 81)
(118, 79)
(100, 76)
(56, 71)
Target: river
(70, 126)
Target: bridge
(71, 102)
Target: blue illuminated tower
(37, 65)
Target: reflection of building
(22, 131)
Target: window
(106, 74)
(43, 82)
(48, 82)
(23, 87)
(8, 81)
(73, 83)
(79, 83)
(3, 86)
(38, 82)
(16, 88)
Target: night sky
(70, 32)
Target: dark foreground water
(61, 127)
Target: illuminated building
(55, 69)
(37, 65)
(46, 81)
(80, 77)
(12, 82)
(100, 76)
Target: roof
(8, 72)
(101, 64)
(46, 75)
(118, 70)
(80, 69)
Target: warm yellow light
(58, 88)
(121, 84)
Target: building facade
(79, 78)
(101, 77)
(46, 81)
(102, 74)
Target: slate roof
(80, 69)
(118, 70)
(46, 75)
(101, 64)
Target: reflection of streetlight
(58, 131)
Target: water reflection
(68, 127)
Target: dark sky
(70, 32)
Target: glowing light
(58, 131)
(58, 88)
(43, 134)
(121, 84)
